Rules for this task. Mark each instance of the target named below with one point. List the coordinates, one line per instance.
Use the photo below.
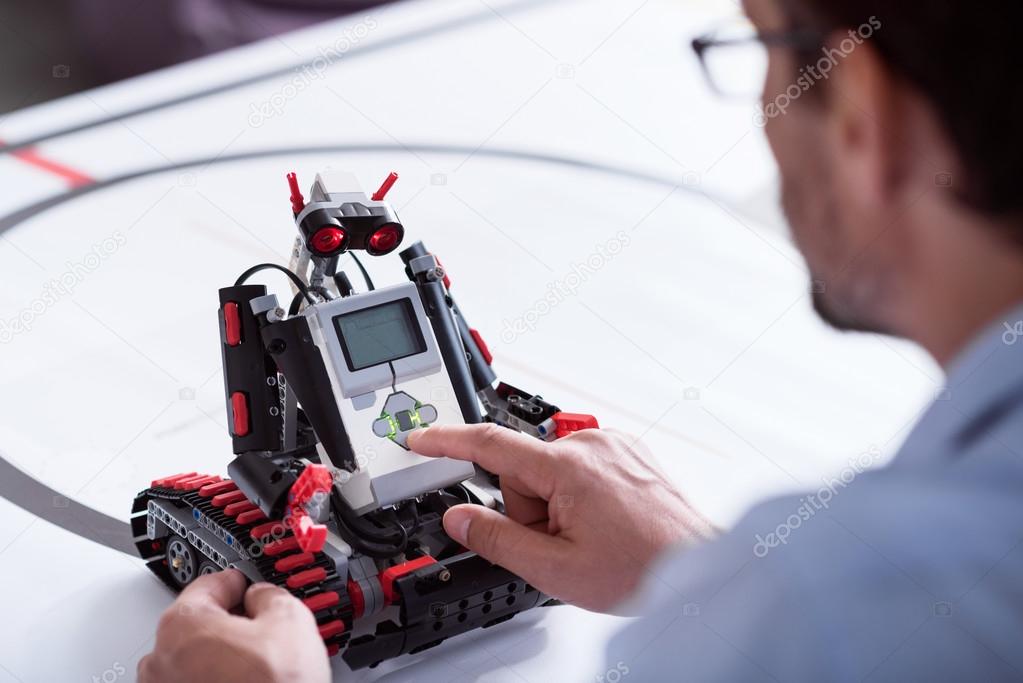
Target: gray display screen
(379, 334)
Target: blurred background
(54, 48)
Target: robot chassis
(324, 498)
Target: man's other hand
(586, 515)
(198, 638)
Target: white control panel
(388, 379)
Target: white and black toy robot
(324, 498)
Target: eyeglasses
(734, 58)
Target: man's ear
(864, 122)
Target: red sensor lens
(385, 239)
(328, 240)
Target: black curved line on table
(12, 219)
(48, 504)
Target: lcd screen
(379, 334)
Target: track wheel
(208, 567)
(182, 560)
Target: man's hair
(964, 56)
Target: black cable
(363, 528)
(365, 547)
(399, 527)
(296, 304)
(323, 291)
(273, 266)
(358, 535)
(343, 284)
(332, 265)
(383, 535)
(362, 269)
(465, 494)
(417, 523)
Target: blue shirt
(909, 572)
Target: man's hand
(199, 640)
(586, 514)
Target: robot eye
(385, 240)
(328, 241)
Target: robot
(324, 497)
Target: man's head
(898, 147)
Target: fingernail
(456, 523)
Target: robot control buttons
(402, 414)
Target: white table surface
(698, 334)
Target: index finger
(494, 448)
(220, 589)
(265, 600)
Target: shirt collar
(988, 373)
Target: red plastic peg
(379, 195)
(297, 200)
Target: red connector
(484, 349)
(292, 562)
(357, 598)
(217, 488)
(285, 545)
(297, 200)
(232, 324)
(322, 601)
(315, 480)
(306, 577)
(224, 499)
(195, 482)
(331, 629)
(389, 576)
(169, 481)
(239, 507)
(569, 423)
(389, 182)
(239, 414)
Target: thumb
(532, 555)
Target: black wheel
(182, 561)
(208, 567)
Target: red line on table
(73, 177)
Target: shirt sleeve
(787, 595)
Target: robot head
(341, 217)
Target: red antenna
(379, 195)
(297, 200)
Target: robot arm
(502, 404)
